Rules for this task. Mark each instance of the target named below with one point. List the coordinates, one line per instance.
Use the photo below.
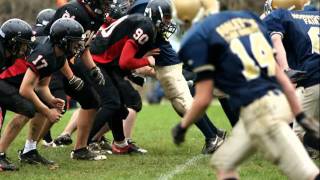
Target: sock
(121, 145)
(128, 140)
(48, 137)
(30, 145)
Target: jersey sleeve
(38, 63)
(194, 53)
(278, 21)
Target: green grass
(153, 133)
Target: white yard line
(182, 167)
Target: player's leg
(232, 152)
(132, 100)
(233, 116)
(65, 137)
(177, 91)
(57, 90)
(266, 123)
(11, 100)
(29, 154)
(89, 105)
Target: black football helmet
(17, 36)
(68, 35)
(160, 13)
(118, 8)
(45, 16)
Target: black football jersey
(77, 11)
(43, 61)
(109, 42)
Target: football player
(232, 51)
(90, 14)
(46, 58)
(117, 49)
(168, 70)
(15, 39)
(296, 38)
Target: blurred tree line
(23, 9)
(28, 9)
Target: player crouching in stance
(46, 58)
(232, 51)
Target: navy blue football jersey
(301, 38)
(43, 61)
(232, 48)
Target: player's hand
(310, 125)
(152, 61)
(153, 52)
(53, 115)
(97, 76)
(295, 75)
(76, 83)
(178, 134)
(58, 104)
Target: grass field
(163, 161)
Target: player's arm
(74, 81)
(311, 126)
(46, 95)
(204, 83)
(201, 101)
(281, 55)
(26, 90)
(142, 37)
(127, 59)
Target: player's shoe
(85, 154)
(33, 157)
(105, 144)
(96, 148)
(124, 150)
(222, 134)
(136, 147)
(212, 145)
(64, 139)
(5, 164)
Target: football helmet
(68, 35)
(17, 35)
(286, 4)
(45, 16)
(188, 12)
(118, 8)
(160, 12)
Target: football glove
(310, 125)
(76, 83)
(178, 134)
(97, 76)
(295, 75)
